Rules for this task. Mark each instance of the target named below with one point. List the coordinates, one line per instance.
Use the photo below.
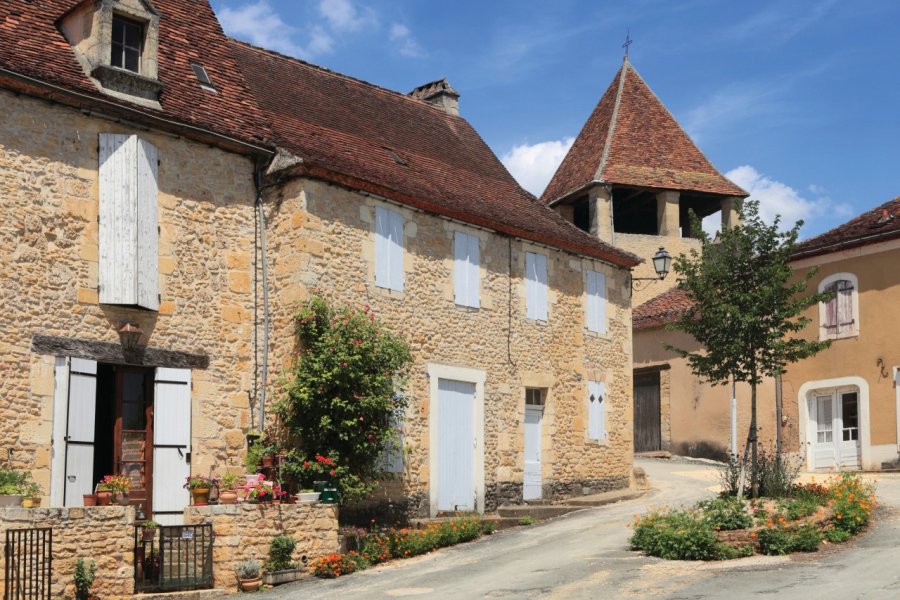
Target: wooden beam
(110, 352)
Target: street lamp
(662, 263)
(130, 333)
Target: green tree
(746, 312)
(342, 394)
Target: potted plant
(262, 493)
(84, 578)
(308, 495)
(227, 493)
(254, 456)
(104, 494)
(89, 500)
(151, 527)
(118, 485)
(200, 485)
(13, 487)
(247, 573)
(280, 568)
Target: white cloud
(777, 198)
(404, 41)
(342, 15)
(259, 24)
(534, 164)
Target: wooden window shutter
(596, 410)
(382, 247)
(474, 267)
(465, 269)
(596, 302)
(541, 290)
(844, 297)
(128, 230)
(396, 251)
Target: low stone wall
(242, 529)
(104, 534)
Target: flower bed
(378, 544)
(729, 527)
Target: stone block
(87, 296)
(239, 281)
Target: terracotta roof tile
(661, 310)
(877, 225)
(188, 32)
(403, 148)
(632, 139)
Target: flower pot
(249, 585)
(227, 497)
(36, 502)
(200, 496)
(267, 462)
(104, 498)
(121, 498)
(308, 496)
(27, 502)
(11, 500)
(279, 577)
(89, 500)
(149, 534)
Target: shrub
(84, 577)
(725, 513)
(730, 474)
(732, 552)
(675, 535)
(852, 501)
(837, 536)
(815, 492)
(527, 520)
(13, 483)
(248, 569)
(800, 508)
(334, 565)
(806, 539)
(775, 541)
(776, 475)
(280, 550)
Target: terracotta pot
(227, 497)
(249, 585)
(149, 534)
(36, 501)
(200, 496)
(27, 502)
(90, 500)
(104, 498)
(267, 462)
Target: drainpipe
(261, 219)
(733, 419)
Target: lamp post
(129, 334)
(662, 263)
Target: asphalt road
(585, 555)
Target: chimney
(439, 93)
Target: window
(535, 396)
(839, 316)
(596, 301)
(466, 280)
(388, 249)
(535, 286)
(391, 458)
(129, 235)
(596, 410)
(127, 40)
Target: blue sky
(798, 102)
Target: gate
(29, 556)
(647, 426)
(179, 557)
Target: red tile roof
(35, 49)
(877, 225)
(367, 137)
(632, 139)
(661, 310)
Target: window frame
(842, 329)
(123, 46)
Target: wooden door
(171, 444)
(134, 432)
(647, 417)
(80, 434)
(532, 477)
(456, 445)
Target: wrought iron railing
(29, 562)
(177, 557)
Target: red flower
(332, 472)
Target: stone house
(145, 160)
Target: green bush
(775, 475)
(527, 520)
(837, 536)
(806, 539)
(13, 483)
(280, 549)
(799, 508)
(852, 501)
(729, 552)
(725, 513)
(675, 535)
(775, 541)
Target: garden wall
(242, 529)
(104, 534)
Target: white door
(456, 445)
(531, 490)
(79, 438)
(834, 429)
(171, 444)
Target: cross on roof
(628, 42)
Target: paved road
(585, 555)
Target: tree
(341, 399)
(746, 312)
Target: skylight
(202, 77)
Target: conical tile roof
(631, 139)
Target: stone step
(189, 595)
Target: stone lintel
(109, 352)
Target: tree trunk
(754, 469)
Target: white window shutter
(530, 286)
(460, 268)
(596, 301)
(171, 440)
(147, 227)
(128, 230)
(596, 410)
(82, 408)
(382, 247)
(541, 289)
(396, 251)
(474, 270)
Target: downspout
(261, 220)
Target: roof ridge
(349, 78)
(598, 176)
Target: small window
(535, 286)
(202, 76)
(535, 396)
(839, 315)
(127, 40)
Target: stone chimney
(439, 93)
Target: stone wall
(103, 534)
(49, 249)
(321, 239)
(242, 530)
